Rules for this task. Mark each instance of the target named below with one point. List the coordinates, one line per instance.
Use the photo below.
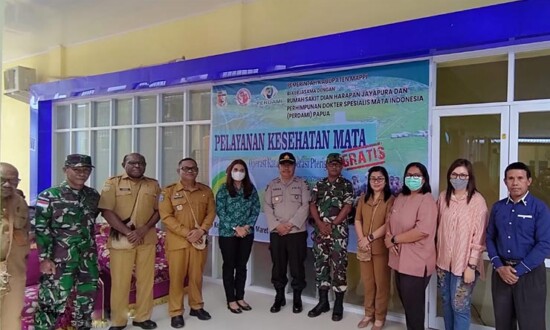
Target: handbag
(366, 255)
(119, 241)
(201, 243)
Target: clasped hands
(394, 248)
(136, 236)
(508, 274)
(194, 235)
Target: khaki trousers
(12, 303)
(122, 265)
(375, 275)
(184, 263)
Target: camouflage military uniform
(331, 250)
(65, 234)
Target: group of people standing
(413, 234)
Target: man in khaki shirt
(14, 246)
(180, 205)
(132, 196)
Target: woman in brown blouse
(372, 253)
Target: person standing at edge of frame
(182, 206)
(237, 206)
(518, 241)
(133, 197)
(15, 245)
(286, 207)
(65, 238)
(331, 203)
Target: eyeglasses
(414, 176)
(460, 176)
(133, 163)
(12, 182)
(187, 169)
(334, 165)
(377, 179)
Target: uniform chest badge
(179, 207)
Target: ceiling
(34, 26)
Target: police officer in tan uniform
(132, 196)
(180, 205)
(286, 207)
(14, 248)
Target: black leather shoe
(117, 328)
(177, 322)
(201, 314)
(297, 302)
(234, 310)
(246, 307)
(147, 324)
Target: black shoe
(297, 302)
(338, 310)
(177, 322)
(147, 324)
(234, 310)
(323, 305)
(201, 314)
(117, 328)
(246, 307)
(280, 301)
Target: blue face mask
(413, 183)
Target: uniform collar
(179, 187)
(523, 200)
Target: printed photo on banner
(371, 116)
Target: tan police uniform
(183, 259)
(118, 195)
(15, 211)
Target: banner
(372, 116)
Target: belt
(510, 262)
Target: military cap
(287, 157)
(78, 160)
(334, 157)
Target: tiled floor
(259, 318)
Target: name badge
(525, 216)
(124, 189)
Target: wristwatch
(473, 267)
(393, 240)
(371, 237)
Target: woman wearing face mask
(410, 237)
(460, 243)
(237, 206)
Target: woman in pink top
(410, 237)
(460, 243)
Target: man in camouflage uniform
(65, 217)
(331, 201)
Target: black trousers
(235, 254)
(288, 250)
(412, 292)
(523, 303)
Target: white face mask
(238, 176)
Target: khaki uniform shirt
(16, 211)
(373, 213)
(118, 195)
(177, 213)
(287, 202)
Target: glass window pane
(122, 141)
(101, 114)
(199, 149)
(100, 158)
(81, 115)
(147, 110)
(62, 116)
(200, 105)
(172, 108)
(123, 112)
(532, 76)
(147, 146)
(62, 149)
(80, 143)
(472, 81)
(534, 150)
(172, 153)
(476, 138)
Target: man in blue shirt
(518, 241)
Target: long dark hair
(426, 188)
(471, 188)
(248, 187)
(387, 190)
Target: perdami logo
(243, 96)
(269, 92)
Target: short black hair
(426, 188)
(518, 166)
(188, 158)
